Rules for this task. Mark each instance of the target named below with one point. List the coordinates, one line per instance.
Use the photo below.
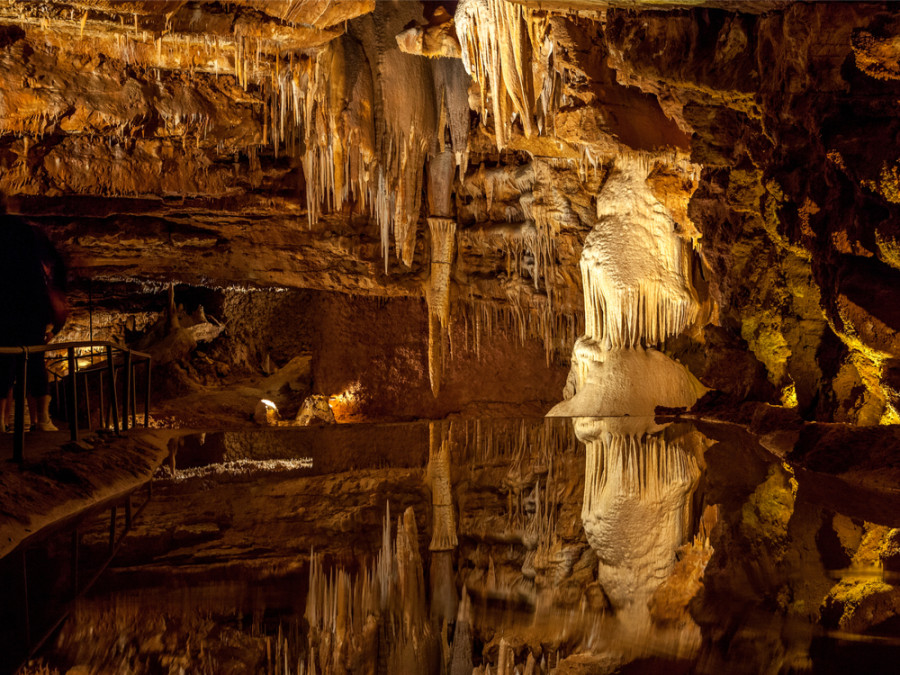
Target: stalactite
(535, 320)
(497, 49)
(451, 85)
(435, 353)
(334, 99)
(443, 244)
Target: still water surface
(587, 545)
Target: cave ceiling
(306, 144)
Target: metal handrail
(56, 346)
(131, 358)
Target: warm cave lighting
(344, 405)
(618, 276)
(266, 413)
(789, 396)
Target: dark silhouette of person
(32, 310)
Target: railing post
(19, 420)
(113, 403)
(25, 602)
(76, 541)
(128, 514)
(87, 402)
(126, 403)
(147, 397)
(112, 529)
(73, 396)
(104, 420)
(133, 397)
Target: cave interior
(455, 337)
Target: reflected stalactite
(443, 536)
(444, 598)
(461, 653)
(378, 617)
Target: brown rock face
(794, 213)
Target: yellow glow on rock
(789, 396)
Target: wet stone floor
(586, 545)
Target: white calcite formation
(636, 269)
(637, 292)
(639, 480)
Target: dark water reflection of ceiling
(547, 545)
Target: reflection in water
(639, 480)
(379, 616)
(517, 549)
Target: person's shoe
(47, 426)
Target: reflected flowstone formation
(518, 550)
(639, 482)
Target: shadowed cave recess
(489, 336)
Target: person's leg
(39, 390)
(7, 377)
(5, 407)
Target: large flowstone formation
(636, 274)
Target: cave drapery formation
(323, 145)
